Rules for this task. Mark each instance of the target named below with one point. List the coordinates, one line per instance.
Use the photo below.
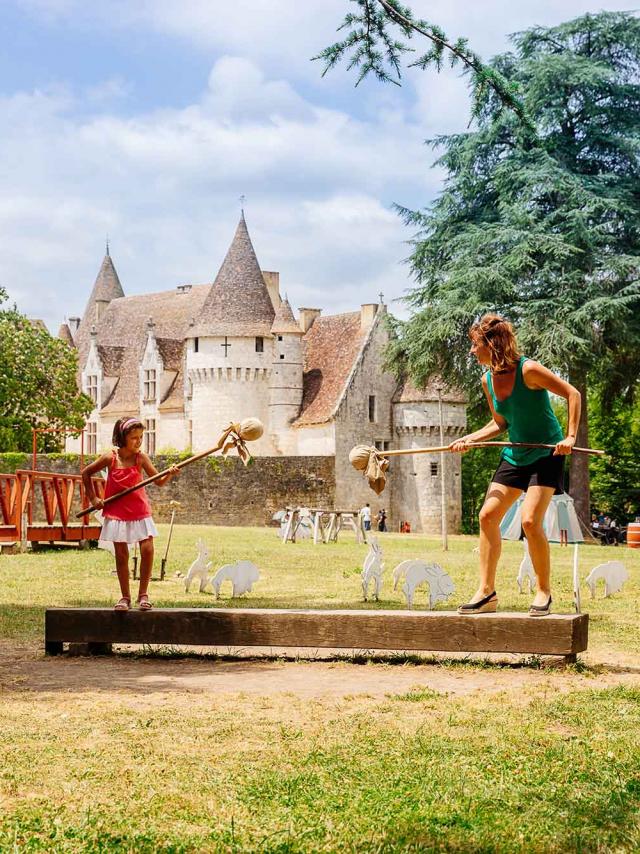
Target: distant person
(127, 520)
(365, 515)
(382, 520)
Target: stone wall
(353, 427)
(225, 493)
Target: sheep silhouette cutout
(372, 570)
(614, 574)
(417, 572)
(199, 568)
(243, 575)
(526, 572)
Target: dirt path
(25, 668)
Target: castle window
(196, 344)
(279, 337)
(282, 355)
(149, 385)
(92, 388)
(189, 389)
(92, 437)
(434, 469)
(150, 436)
(259, 344)
(372, 407)
(190, 435)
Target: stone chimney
(74, 323)
(368, 311)
(272, 281)
(307, 317)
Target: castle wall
(316, 440)
(231, 388)
(220, 492)
(353, 427)
(285, 391)
(418, 478)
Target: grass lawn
(547, 761)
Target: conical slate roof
(238, 303)
(285, 320)
(65, 334)
(107, 287)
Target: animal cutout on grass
(614, 574)
(526, 571)
(417, 572)
(372, 570)
(199, 568)
(243, 575)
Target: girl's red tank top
(132, 507)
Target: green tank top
(529, 418)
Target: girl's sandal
(143, 602)
(123, 604)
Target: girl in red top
(127, 520)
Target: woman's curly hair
(497, 333)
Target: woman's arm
(493, 428)
(536, 376)
(150, 470)
(88, 471)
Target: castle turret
(228, 357)
(285, 386)
(107, 287)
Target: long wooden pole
(151, 479)
(471, 445)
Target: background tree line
(538, 219)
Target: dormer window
(92, 387)
(149, 392)
(259, 344)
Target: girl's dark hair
(122, 428)
(497, 333)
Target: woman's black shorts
(547, 471)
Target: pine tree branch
(368, 29)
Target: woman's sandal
(143, 602)
(488, 605)
(540, 610)
(123, 604)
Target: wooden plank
(444, 631)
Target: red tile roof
(331, 347)
(408, 392)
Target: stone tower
(229, 349)
(418, 479)
(285, 385)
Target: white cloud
(164, 185)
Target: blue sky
(147, 119)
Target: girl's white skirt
(116, 531)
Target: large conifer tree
(543, 228)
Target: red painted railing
(37, 506)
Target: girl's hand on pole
(565, 446)
(97, 503)
(174, 471)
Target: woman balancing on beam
(517, 390)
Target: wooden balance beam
(441, 631)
